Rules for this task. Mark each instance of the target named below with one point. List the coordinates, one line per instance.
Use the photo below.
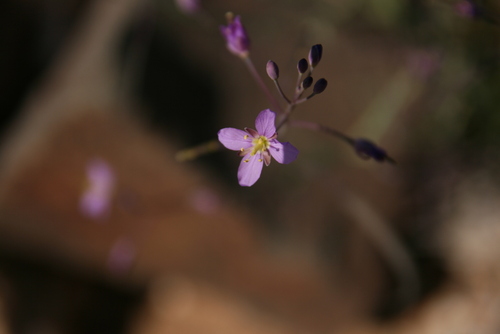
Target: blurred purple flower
(205, 201)
(237, 40)
(95, 200)
(423, 64)
(121, 256)
(257, 147)
(467, 8)
(189, 6)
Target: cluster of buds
(305, 69)
(256, 147)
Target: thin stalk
(304, 99)
(297, 84)
(278, 86)
(321, 128)
(291, 104)
(251, 67)
(199, 150)
(286, 115)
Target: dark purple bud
(320, 86)
(302, 66)
(237, 40)
(272, 70)
(367, 149)
(315, 55)
(307, 82)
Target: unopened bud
(367, 149)
(320, 86)
(315, 55)
(307, 82)
(272, 70)
(302, 66)
(236, 37)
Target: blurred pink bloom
(189, 6)
(121, 256)
(205, 201)
(466, 8)
(95, 201)
(423, 64)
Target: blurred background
(103, 230)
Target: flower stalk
(258, 79)
(257, 147)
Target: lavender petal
(284, 153)
(234, 139)
(265, 123)
(249, 170)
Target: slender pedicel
(262, 85)
(365, 148)
(197, 151)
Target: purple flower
(237, 40)
(95, 200)
(257, 147)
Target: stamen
(245, 137)
(242, 149)
(260, 160)
(246, 160)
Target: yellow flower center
(260, 144)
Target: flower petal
(249, 170)
(265, 123)
(234, 139)
(94, 205)
(284, 153)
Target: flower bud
(315, 55)
(272, 70)
(307, 82)
(237, 40)
(320, 86)
(302, 66)
(367, 149)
